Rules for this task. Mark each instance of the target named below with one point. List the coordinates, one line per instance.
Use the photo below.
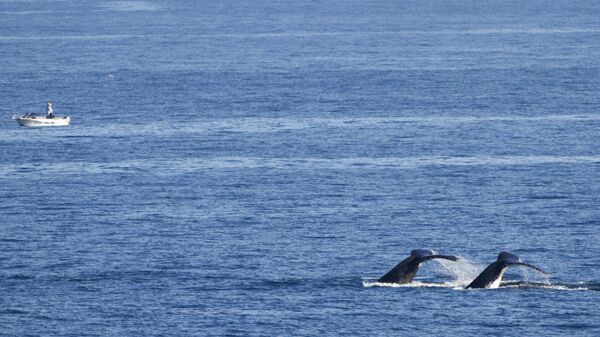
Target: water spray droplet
(462, 271)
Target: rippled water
(253, 168)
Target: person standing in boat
(49, 110)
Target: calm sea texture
(250, 167)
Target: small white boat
(32, 120)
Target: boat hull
(43, 121)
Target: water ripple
(188, 165)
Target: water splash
(462, 271)
(533, 276)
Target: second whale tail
(510, 259)
(528, 265)
(491, 276)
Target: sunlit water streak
(189, 165)
(131, 6)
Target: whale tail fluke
(445, 257)
(491, 276)
(528, 265)
(510, 259)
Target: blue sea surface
(252, 167)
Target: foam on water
(129, 6)
(68, 37)
(505, 285)
(490, 31)
(580, 286)
(26, 12)
(414, 284)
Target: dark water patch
(535, 249)
(48, 318)
(55, 208)
(125, 168)
(122, 275)
(77, 136)
(278, 283)
(547, 197)
(198, 306)
(499, 325)
(18, 266)
(26, 169)
(20, 277)
(584, 223)
(323, 237)
(14, 312)
(291, 284)
(572, 326)
(13, 240)
(88, 288)
(62, 265)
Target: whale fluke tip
(506, 256)
(421, 252)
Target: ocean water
(251, 168)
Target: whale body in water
(405, 271)
(491, 276)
